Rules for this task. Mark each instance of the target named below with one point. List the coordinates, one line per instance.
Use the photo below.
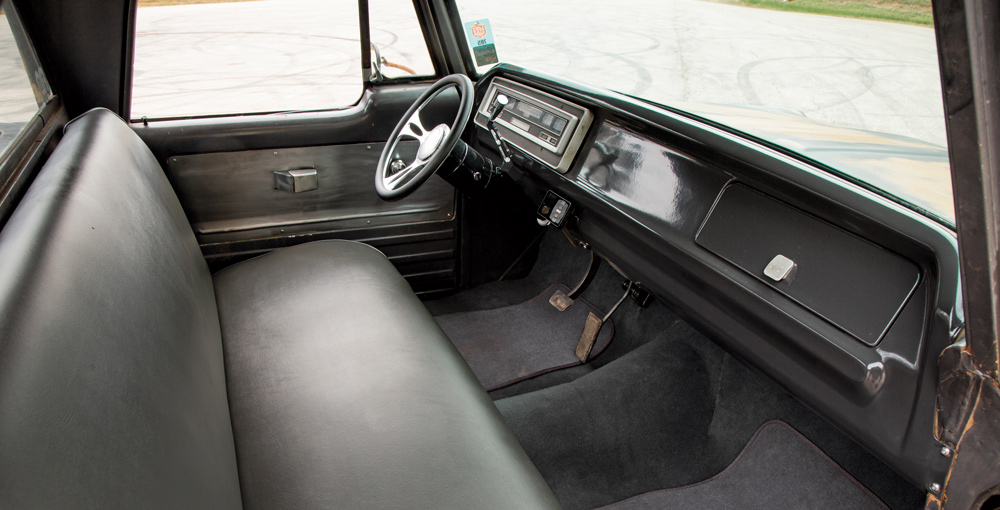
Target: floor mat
(513, 343)
(779, 468)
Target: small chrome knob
(498, 105)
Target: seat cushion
(345, 393)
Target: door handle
(296, 181)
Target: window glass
(18, 102)
(227, 57)
(851, 84)
(396, 33)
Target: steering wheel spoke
(394, 181)
(414, 128)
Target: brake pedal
(561, 301)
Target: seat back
(112, 385)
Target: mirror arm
(376, 65)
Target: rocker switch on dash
(559, 211)
(553, 210)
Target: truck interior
(576, 298)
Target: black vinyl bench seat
(311, 377)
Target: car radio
(533, 120)
(539, 124)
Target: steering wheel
(393, 182)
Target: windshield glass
(851, 84)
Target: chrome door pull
(296, 181)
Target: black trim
(971, 96)
(432, 39)
(463, 44)
(449, 25)
(39, 82)
(968, 36)
(366, 42)
(27, 154)
(79, 45)
(128, 58)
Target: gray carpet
(559, 262)
(778, 469)
(513, 343)
(671, 413)
(661, 407)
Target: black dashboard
(840, 294)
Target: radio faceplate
(540, 125)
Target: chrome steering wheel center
(431, 141)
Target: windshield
(851, 84)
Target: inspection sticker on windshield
(480, 38)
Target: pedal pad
(561, 301)
(590, 331)
(593, 325)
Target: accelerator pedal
(592, 327)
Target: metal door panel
(234, 192)
(237, 213)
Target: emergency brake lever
(498, 105)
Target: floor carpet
(671, 413)
(778, 469)
(510, 344)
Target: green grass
(907, 11)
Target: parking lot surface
(866, 74)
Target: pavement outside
(304, 54)
(872, 75)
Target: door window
(211, 57)
(396, 33)
(19, 99)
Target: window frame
(27, 148)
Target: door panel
(233, 192)
(222, 169)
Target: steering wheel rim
(435, 143)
